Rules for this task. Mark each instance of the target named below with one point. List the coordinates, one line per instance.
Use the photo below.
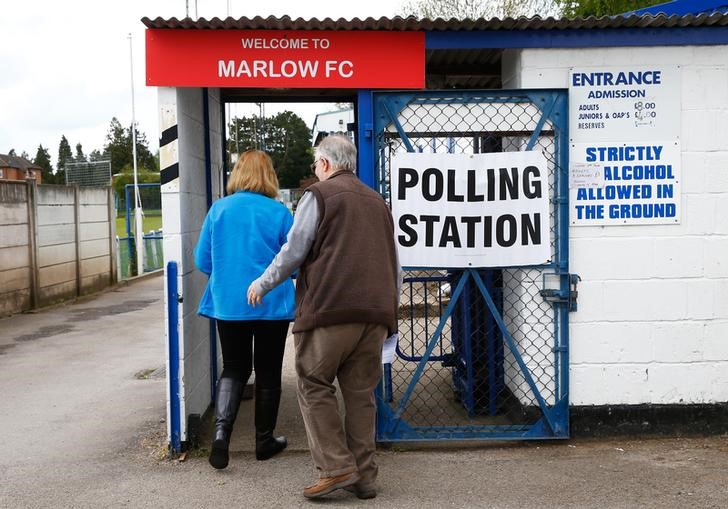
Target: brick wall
(18, 174)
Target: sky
(66, 66)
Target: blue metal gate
(482, 353)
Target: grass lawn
(149, 223)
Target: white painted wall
(652, 324)
(184, 206)
(332, 122)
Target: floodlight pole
(138, 229)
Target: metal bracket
(552, 290)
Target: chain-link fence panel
(88, 173)
(485, 362)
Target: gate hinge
(555, 289)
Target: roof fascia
(577, 38)
(682, 7)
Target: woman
(241, 234)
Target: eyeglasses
(313, 164)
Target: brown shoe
(362, 491)
(326, 485)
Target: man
(342, 240)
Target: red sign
(285, 59)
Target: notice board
(624, 150)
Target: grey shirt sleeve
(294, 251)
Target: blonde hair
(253, 171)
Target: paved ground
(82, 423)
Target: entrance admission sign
(284, 59)
(471, 210)
(624, 156)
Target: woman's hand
(253, 298)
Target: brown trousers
(351, 353)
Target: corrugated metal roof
(414, 24)
(463, 68)
(447, 67)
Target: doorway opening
(287, 129)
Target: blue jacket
(241, 235)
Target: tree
(585, 8)
(126, 176)
(64, 155)
(285, 137)
(119, 148)
(288, 140)
(80, 157)
(116, 147)
(95, 155)
(43, 159)
(245, 134)
(474, 9)
(145, 158)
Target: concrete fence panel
(55, 207)
(56, 243)
(95, 241)
(15, 283)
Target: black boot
(229, 391)
(266, 414)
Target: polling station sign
(471, 210)
(283, 59)
(624, 151)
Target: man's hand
(253, 298)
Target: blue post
(173, 353)
(562, 182)
(129, 241)
(365, 138)
(494, 365)
(467, 343)
(388, 391)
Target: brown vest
(349, 273)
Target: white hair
(339, 151)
